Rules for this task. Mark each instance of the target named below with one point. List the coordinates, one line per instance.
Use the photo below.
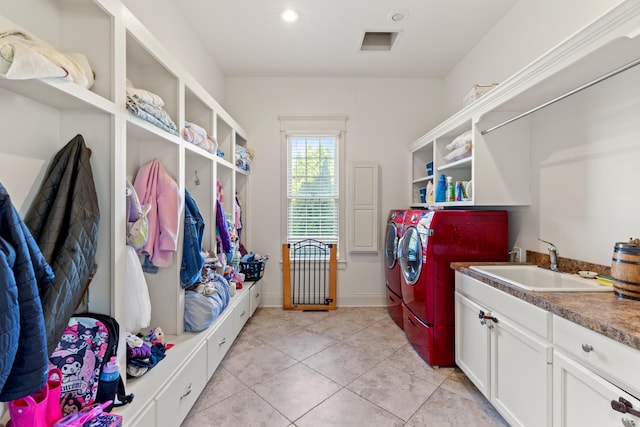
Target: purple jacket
(223, 228)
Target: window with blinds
(313, 188)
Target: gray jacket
(64, 220)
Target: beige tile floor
(348, 367)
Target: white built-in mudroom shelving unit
(40, 116)
(499, 163)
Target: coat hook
(197, 180)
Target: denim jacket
(192, 260)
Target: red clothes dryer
(395, 227)
(431, 241)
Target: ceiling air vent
(380, 41)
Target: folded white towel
(460, 140)
(22, 57)
(459, 153)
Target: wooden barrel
(625, 269)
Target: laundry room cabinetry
(503, 346)
(498, 164)
(40, 116)
(592, 374)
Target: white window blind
(313, 187)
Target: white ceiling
(248, 38)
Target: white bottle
(429, 192)
(451, 191)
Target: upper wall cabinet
(492, 133)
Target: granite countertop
(603, 312)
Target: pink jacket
(157, 188)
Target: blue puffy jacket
(23, 270)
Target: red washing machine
(395, 227)
(431, 241)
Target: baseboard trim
(351, 300)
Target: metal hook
(197, 180)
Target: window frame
(315, 126)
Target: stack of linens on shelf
(244, 157)
(459, 148)
(198, 136)
(149, 107)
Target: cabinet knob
(626, 422)
(587, 348)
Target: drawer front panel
(615, 361)
(219, 343)
(582, 398)
(241, 312)
(256, 296)
(173, 404)
(146, 418)
(394, 307)
(527, 315)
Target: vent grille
(378, 41)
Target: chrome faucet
(553, 255)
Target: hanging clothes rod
(565, 95)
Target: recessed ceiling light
(289, 15)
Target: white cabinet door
(510, 365)
(364, 207)
(472, 342)
(582, 398)
(521, 374)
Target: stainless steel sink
(534, 278)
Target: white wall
(585, 157)
(577, 161)
(384, 115)
(528, 30)
(164, 19)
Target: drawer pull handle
(222, 341)
(243, 313)
(411, 321)
(587, 348)
(187, 392)
(258, 295)
(624, 406)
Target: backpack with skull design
(87, 344)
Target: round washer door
(391, 245)
(410, 250)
